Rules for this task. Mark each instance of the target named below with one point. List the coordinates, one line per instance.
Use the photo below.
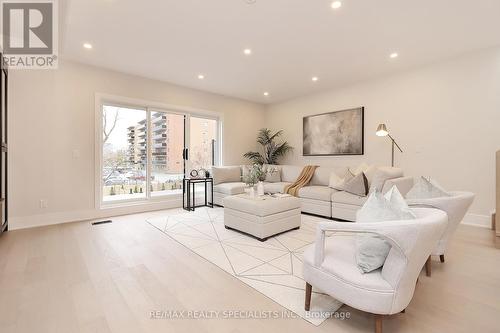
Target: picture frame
(337, 133)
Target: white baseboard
(477, 220)
(32, 221)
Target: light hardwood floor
(82, 278)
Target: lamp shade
(382, 130)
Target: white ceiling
(291, 40)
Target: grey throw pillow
(357, 185)
(426, 189)
(338, 185)
(372, 250)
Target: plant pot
(260, 189)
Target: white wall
(52, 114)
(445, 116)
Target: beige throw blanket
(304, 178)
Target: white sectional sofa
(316, 198)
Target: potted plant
(255, 175)
(272, 150)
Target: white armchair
(330, 263)
(455, 206)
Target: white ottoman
(261, 218)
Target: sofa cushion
(322, 175)
(275, 187)
(228, 174)
(290, 173)
(273, 173)
(340, 261)
(348, 198)
(382, 175)
(230, 188)
(323, 193)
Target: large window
(124, 154)
(143, 151)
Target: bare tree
(107, 132)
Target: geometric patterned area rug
(273, 267)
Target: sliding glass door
(144, 151)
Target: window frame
(119, 101)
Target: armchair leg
(428, 267)
(378, 324)
(441, 257)
(307, 304)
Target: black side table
(189, 193)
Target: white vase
(260, 188)
(252, 191)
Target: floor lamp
(382, 131)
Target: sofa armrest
(404, 185)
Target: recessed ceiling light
(315, 78)
(201, 76)
(266, 93)
(336, 4)
(87, 45)
(394, 55)
(247, 51)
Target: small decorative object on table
(255, 174)
(194, 173)
(203, 173)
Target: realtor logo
(29, 34)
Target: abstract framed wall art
(334, 133)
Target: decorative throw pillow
(426, 189)
(372, 250)
(273, 174)
(368, 170)
(382, 175)
(358, 185)
(335, 180)
(370, 173)
(361, 168)
(230, 174)
(345, 179)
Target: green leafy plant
(272, 149)
(255, 174)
